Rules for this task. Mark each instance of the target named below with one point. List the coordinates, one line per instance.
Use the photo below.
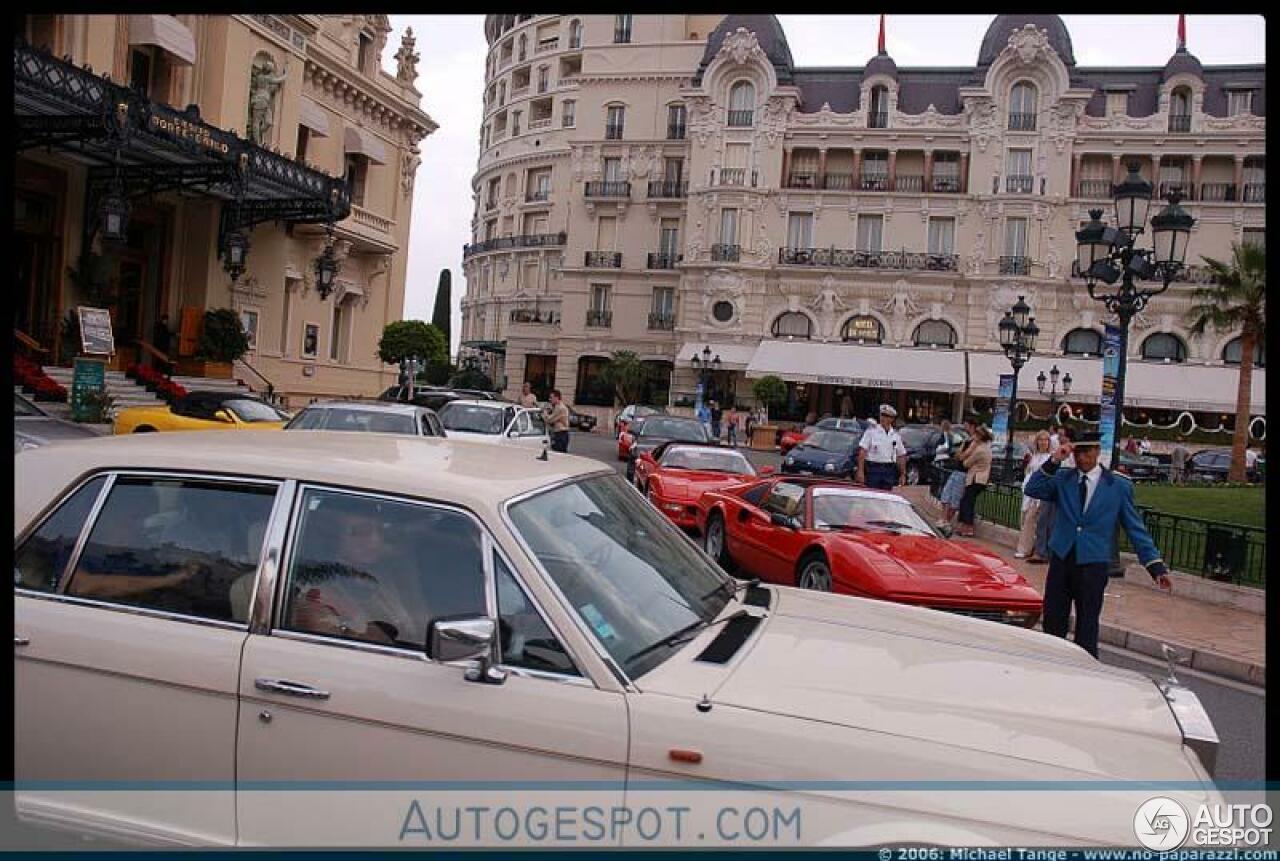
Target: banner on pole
(1000, 426)
(1110, 374)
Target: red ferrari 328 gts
(675, 475)
(833, 537)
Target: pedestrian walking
(1091, 501)
(1040, 452)
(556, 415)
(977, 462)
(751, 425)
(731, 423)
(527, 397)
(716, 415)
(1144, 447)
(882, 457)
(1178, 461)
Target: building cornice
(343, 86)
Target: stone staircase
(127, 393)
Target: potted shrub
(222, 341)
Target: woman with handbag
(948, 456)
(976, 458)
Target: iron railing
(600, 319)
(1168, 186)
(876, 182)
(604, 259)
(802, 179)
(909, 182)
(1015, 265)
(1255, 192)
(722, 253)
(1099, 189)
(1184, 275)
(668, 188)
(1022, 122)
(1217, 191)
(1018, 183)
(733, 176)
(740, 118)
(946, 184)
(533, 317)
(1180, 122)
(527, 240)
(663, 260)
(849, 259)
(538, 195)
(838, 181)
(1191, 545)
(607, 188)
(662, 322)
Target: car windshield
(840, 424)
(684, 430)
(23, 407)
(253, 411)
(838, 441)
(470, 418)
(711, 459)
(363, 421)
(835, 508)
(630, 575)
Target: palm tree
(1236, 301)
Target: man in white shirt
(881, 450)
(1250, 459)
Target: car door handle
(293, 689)
(21, 641)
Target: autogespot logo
(1161, 824)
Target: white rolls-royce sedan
(334, 639)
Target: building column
(1155, 173)
(964, 173)
(928, 171)
(1237, 178)
(1117, 169)
(1193, 193)
(822, 168)
(1076, 159)
(857, 168)
(893, 169)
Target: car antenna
(543, 456)
(704, 704)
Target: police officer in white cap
(882, 457)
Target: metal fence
(1191, 545)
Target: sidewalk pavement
(1220, 640)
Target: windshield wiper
(688, 632)
(731, 593)
(890, 524)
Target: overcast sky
(451, 79)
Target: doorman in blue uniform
(1090, 502)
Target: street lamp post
(1054, 373)
(705, 366)
(1107, 254)
(1018, 333)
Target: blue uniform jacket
(1090, 533)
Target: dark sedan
(1214, 464)
(581, 421)
(657, 429)
(921, 442)
(1140, 467)
(830, 453)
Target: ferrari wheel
(814, 574)
(714, 542)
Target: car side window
(535, 426)
(756, 495)
(525, 638)
(521, 426)
(309, 420)
(785, 499)
(188, 546)
(41, 560)
(379, 570)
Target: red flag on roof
(1182, 32)
(880, 46)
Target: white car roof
(472, 474)
(490, 405)
(366, 406)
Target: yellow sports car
(202, 411)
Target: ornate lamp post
(706, 367)
(113, 214)
(1054, 373)
(1107, 254)
(1018, 332)
(235, 251)
(327, 266)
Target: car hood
(50, 429)
(689, 485)
(474, 436)
(809, 454)
(649, 443)
(924, 561)
(946, 679)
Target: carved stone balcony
(843, 258)
(603, 260)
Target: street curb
(1200, 659)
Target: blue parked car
(831, 453)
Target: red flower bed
(49, 390)
(170, 391)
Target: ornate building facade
(305, 102)
(667, 183)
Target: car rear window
(470, 418)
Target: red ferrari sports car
(829, 536)
(675, 475)
(792, 438)
(628, 436)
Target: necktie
(1084, 491)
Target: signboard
(1000, 421)
(1110, 374)
(95, 331)
(89, 377)
(858, 382)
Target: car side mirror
(467, 638)
(513, 433)
(224, 416)
(779, 519)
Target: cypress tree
(442, 315)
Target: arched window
(1164, 347)
(863, 329)
(935, 333)
(1180, 110)
(878, 117)
(742, 103)
(1234, 349)
(1082, 342)
(1022, 107)
(792, 324)
(575, 33)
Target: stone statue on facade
(264, 83)
(407, 59)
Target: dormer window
(1239, 103)
(742, 102)
(365, 59)
(1180, 110)
(1022, 107)
(878, 118)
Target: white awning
(313, 117)
(165, 32)
(357, 140)
(921, 369)
(1154, 385)
(732, 356)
